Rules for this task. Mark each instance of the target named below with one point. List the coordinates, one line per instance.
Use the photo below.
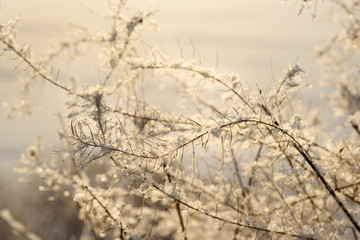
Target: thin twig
(225, 220)
(309, 160)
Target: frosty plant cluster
(225, 163)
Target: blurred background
(256, 39)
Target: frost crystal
(296, 122)
(293, 70)
(216, 131)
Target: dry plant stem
(308, 159)
(205, 192)
(122, 230)
(225, 220)
(336, 190)
(177, 204)
(31, 65)
(295, 144)
(205, 74)
(178, 210)
(327, 186)
(148, 118)
(355, 126)
(283, 199)
(256, 159)
(16, 227)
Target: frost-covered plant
(226, 163)
(340, 59)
